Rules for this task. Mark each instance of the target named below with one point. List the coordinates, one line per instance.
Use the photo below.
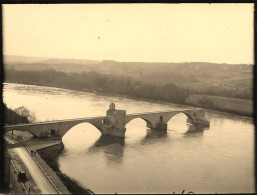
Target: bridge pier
(158, 123)
(114, 131)
(198, 118)
(161, 126)
(199, 122)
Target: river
(218, 159)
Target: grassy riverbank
(50, 156)
(229, 105)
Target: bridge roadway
(112, 124)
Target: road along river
(39, 179)
(218, 159)
(38, 176)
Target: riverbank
(236, 106)
(50, 155)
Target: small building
(115, 117)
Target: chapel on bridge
(115, 117)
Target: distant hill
(71, 61)
(24, 59)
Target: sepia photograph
(118, 98)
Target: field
(231, 105)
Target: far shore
(194, 102)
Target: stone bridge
(114, 123)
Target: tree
(23, 111)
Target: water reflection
(105, 140)
(113, 148)
(154, 135)
(195, 130)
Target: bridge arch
(136, 129)
(18, 129)
(97, 126)
(188, 115)
(80, 136)
(178, 122)
(148, 123)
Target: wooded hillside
(229, 80)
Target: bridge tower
(114, 123)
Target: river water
(218, 159)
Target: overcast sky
(221, 33)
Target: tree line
(99, 82)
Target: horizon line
(59, 58)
